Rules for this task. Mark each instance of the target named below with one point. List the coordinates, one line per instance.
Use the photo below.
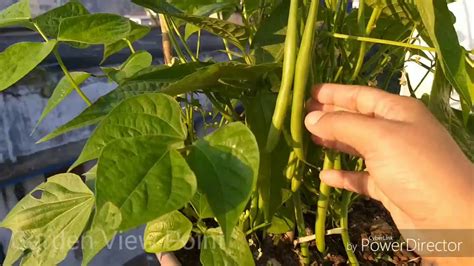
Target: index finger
(362, 99)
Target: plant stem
(130, 46)
(165, 39)
(198, 44)
(173, 41)
(69, 77)
(380, 41)
(301, 227)
(180, 37)
(366, 31)
(344, 223)
(331, 161)
(40, 32)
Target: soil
(367, 220)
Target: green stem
(40, 32)
(198, 44)
(260, 226)
(344, 223)
(366, 31)
(301, 227)
(69, 77)
(380, 41)
(180, 36)
(130, 46)
(331, 161)
(173, 41)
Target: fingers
(356, 131)
(359, 182)
(365, 100)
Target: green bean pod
(303, 63)
(331, 161)
(289, 60)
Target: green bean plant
(254, 171)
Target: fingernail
(313, 118)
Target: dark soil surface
(367, 220)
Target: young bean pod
(331, 161)
(289, 60)
(303, 63)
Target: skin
(414, 167)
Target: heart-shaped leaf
(62, 90)
(15, 14)
(94, 29)
(153, 114)
(170, 232)
(216, 252)
(49, 220)
(49, 22)
(20, 58)
(144, 177)
(226, 166)
(104, 227)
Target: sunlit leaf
(136, 62)
(153, 114)
(226, 166)
(62, 90)
(20, 58)
(438, 22)
(104, 227)
(144, 177)
(49, 22)
(94, 29)
(170, 232)
(48, 221)
(230, 31)
(151, 79)
(15, 14)
(216, 252)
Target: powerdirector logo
(426, 243)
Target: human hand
(414, 167)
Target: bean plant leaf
(221, 75)
(49, 22)
(227, 30)
(439, 105)
(272, 184)
(153, 114)
(226, 165)
(62, 90)
(137, 32)
(283, 220)
(144, 177)
(94, 29)
(170, 232)
(20, 59)
(438, 22)
(269, 40)
(215, 251)
(403, 11)
(48, 221)
(104, 227)
(136, 62)
(15, 14)
(148, 80)
(201, 205)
